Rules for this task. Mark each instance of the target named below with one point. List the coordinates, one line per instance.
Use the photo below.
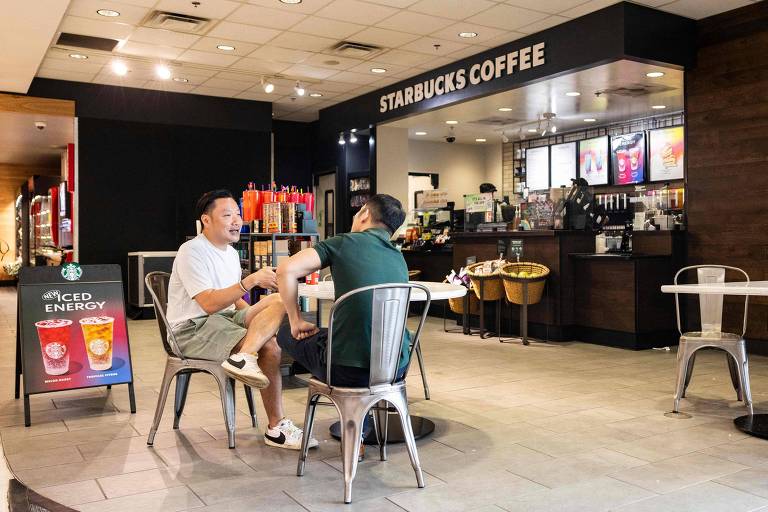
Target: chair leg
(742, 365)
(689, 373)
(423, 373)
(227, 394)
(251, 408)
(182, 386)
(400, 402)
(684, 356)
(381, 424)
(170, 372)
(309, 423)
(733, 369)
(352, 415)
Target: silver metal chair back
(389, 315)
(157, 283)
(711, 305)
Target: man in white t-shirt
(210, 320)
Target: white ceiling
(293, 41)
(530, 102)
(22, 143)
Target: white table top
(324, 290)
(732, 288)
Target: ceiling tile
(222, 83)
(336, 87)
(58, 74)
(255, 95)
(74, 65)
(590, 6)
(149, 50)
(210, 59)
(305, 42)
(484, 33)
(698, 9)
(109, 78)
(129, 14)
(506, 17)
(549, 6)
(140, 3)
(242, 32)
(378, 84)
(163, 37)
(383, 37)
(329, 61)
(88, 27)
(63, 54)
(260, 66)
(467, 52)
(355, 78)
(454, 9)
(435, 62)
(209, 44)
(414, 23)
(305, 7)
(355, 11)
(265, 17)
(400, 4)
(216, 9)
(304, 71)
(193, 72)
(403, 58)
(544, 24)
(327, 28)
(652, 3)
(507, 37)
(276, 53)
(427, 45)
(210, 91)
(366, 66)
(170, 86)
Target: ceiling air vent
(93, 43)
(355, 50)
(177, 22)
(496, 121)
(636, 90)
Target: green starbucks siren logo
(71, 271)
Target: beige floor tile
(274, 502)
(165, 500)
(675, 473)
(751, 451)
(138, 444)
(578, 442)
(706, 497)
(73, 494)
(61, 439)
(680, 442)
(752, 480)
(599, 494)
(42, 458)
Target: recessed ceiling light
(119, 68)
(267, 86)
(162, 72)
(109, 13)
(590, 120)
(573, 93)
(420, 133)
(315, 95)
(378, 70)
(505, 109)
(654, 74)
(479, 140)
(532, 130)
(451, 122)
(78, 56)
(658, 107)
(290, 2)
(180, 79)
(225, 47)
(353, 130)
(468, 34)
(299, 89)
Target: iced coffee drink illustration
(97, 333)
(54, 338)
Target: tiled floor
(558, 427)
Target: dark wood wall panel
(727, 107)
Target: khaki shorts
(211, 337)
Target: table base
(421, 427)
(754, 425)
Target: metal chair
(711, 336)
(182, 368)
(388, 321)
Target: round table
(752, 424)
(324, 290)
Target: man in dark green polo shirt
(363, 257)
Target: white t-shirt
(199, 266)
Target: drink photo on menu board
(628, 158)
(667, 148)
(593, 160)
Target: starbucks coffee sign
(516, 61)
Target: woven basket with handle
(513, 286)
(457, 303)
(492, 288)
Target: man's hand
(302, 329)
(264, 278)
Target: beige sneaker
(243, 367)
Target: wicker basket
(493, 289)
(457, 303)
(513, 286)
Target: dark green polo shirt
(356, 260)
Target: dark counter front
(434, 265)
(608, 299)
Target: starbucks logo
(71, 271)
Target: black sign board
(71, 330)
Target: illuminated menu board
(563, 164)
(537, 168)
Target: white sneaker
(287, 435)
(243, 367)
